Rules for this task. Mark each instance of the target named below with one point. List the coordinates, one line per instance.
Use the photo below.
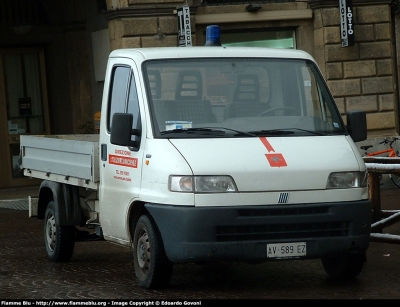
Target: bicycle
(389, 152)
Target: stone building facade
(363, 76)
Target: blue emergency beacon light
(213, 37)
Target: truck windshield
(192, 98)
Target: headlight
(344, 180)
(202, 184)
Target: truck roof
(152, 53)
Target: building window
(279, 38)
(233, 2)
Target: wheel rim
(143, 251)
(51, 232)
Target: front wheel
(59, 240)
(395, 179)
(347, 266)
(152, 267)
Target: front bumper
(241, 233)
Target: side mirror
(121, 129)
(357, 125)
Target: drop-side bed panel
(66, 155)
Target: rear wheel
(396, 179)
(152, 267)
(59, 240)
(346, 266)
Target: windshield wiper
(271, 132)
(233, 130)
(283, 131)
(193, 131)
(309, 131)
(206, 130)
(219, 131)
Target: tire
(395, 179)
(59, 240)
(347, 266)
(152, 267)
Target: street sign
(184, 30)
(346, 22)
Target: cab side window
(124, 99)
(118, 92)
(133, 107)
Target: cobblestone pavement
(102, 270)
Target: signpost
(184, 30)
(346, 22)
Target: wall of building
(293, 15)
(138, 24)
(362, 76)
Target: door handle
(103, 151)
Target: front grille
(282, 231)
(284, 211)
(275, 229)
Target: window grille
(21, 13)
(230, 2)
(395, 4)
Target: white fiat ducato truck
(209, 154)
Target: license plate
(286, 250)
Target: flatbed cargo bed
(72, 159)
